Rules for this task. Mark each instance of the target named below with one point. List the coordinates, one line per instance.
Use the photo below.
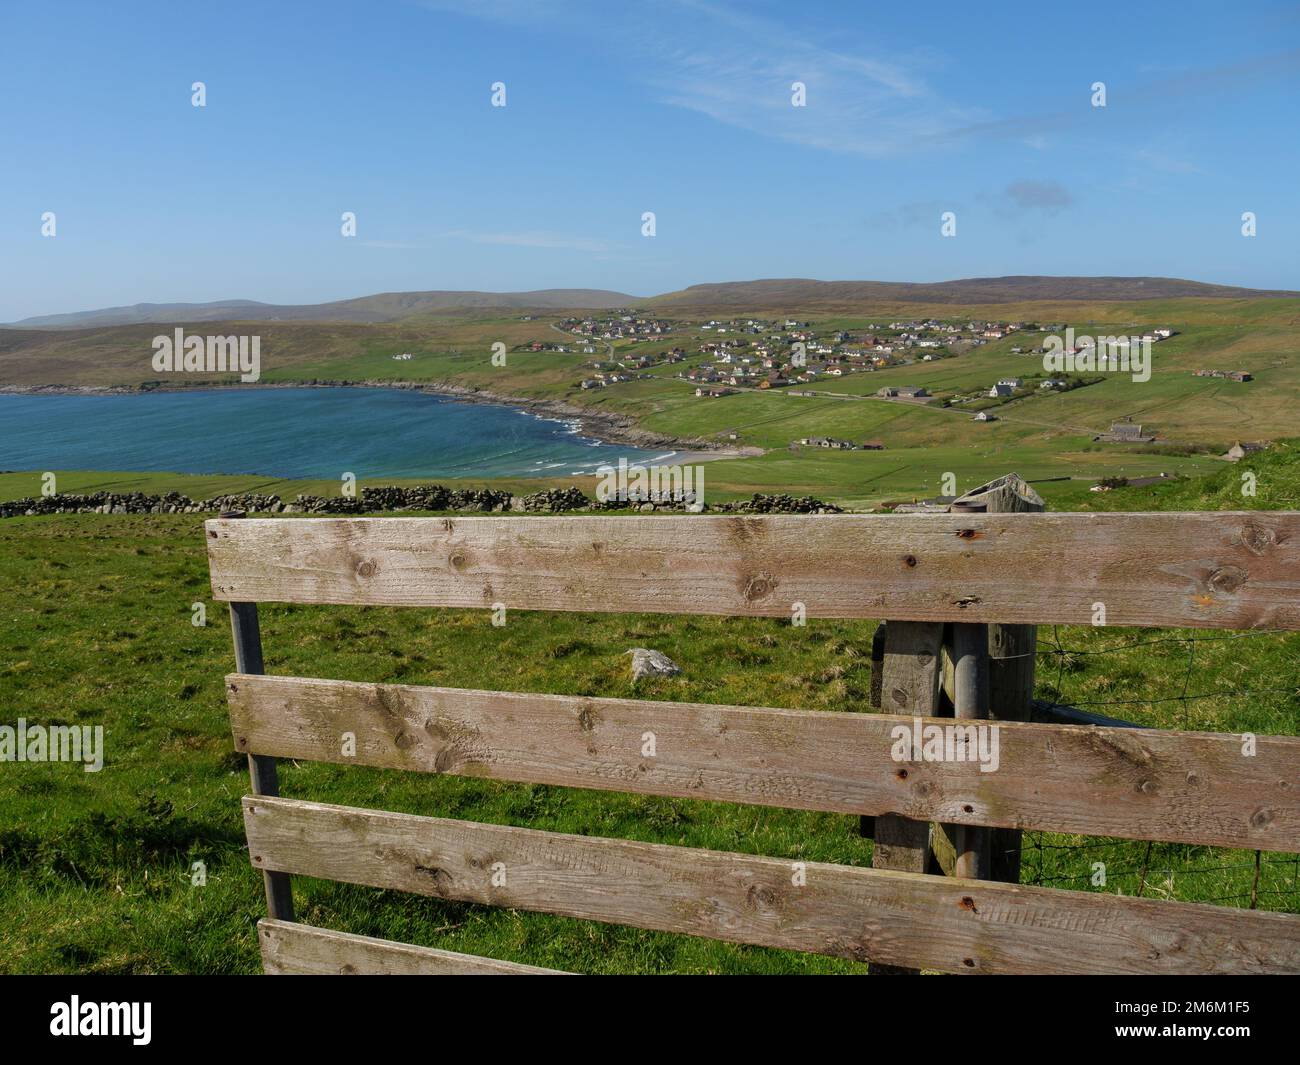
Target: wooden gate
(967, 569)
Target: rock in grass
(647, 663)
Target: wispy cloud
(1178, 85)
(1154, 159)
(911, 215)
(533, 239)
(1049, 196)
(739, 68)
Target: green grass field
(95, 869)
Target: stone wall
(390, 498)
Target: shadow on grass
(100, 849)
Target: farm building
(828, 442)
(1125, 433)
(1241, 449)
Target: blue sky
(684, 109)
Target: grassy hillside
(730, 296)
(95, 869)
(383, 307)
(1268, 480)
(796, 293)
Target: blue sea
(296, 433)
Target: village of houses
(724, 357)
(752, 353)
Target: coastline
(604, 426)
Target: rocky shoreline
(388, 498)
(605, 426)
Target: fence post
(970, 644)
(867, 823)
(262, 773)
(1012, 651)
(909, 684)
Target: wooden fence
(961, 590)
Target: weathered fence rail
(1207, 570)
(926, 574)
(865, 914)
(1180, 787)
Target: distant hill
(800, 293)
(383, 307)
(791, 294)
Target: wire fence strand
(1254, 880)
